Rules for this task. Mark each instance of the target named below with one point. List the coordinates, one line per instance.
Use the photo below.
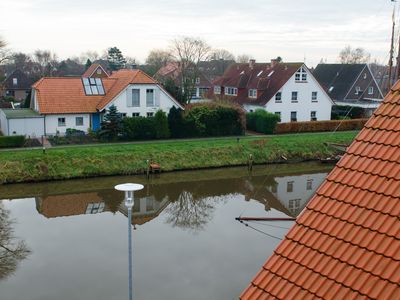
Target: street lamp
(129, 189)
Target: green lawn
(124, 159)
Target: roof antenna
(304, 60)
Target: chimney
(252, 62)
(274, 62)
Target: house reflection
(189, 204)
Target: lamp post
(129, 189)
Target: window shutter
(128, 97)
(157, 97)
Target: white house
(81, 102)
(286, 89)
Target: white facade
(305, 106)
(161, 101)
(54, 124)
(28, 126)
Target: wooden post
(148, 169)
(250, 162)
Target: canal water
(70, 238)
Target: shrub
(262, 121)
(14, 141)
(312, 126)
(176, 122)
(139, 128)
(161, 125)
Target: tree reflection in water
(190, 213)
(12, 250)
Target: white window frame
(62, 124)
(217, 89)
(76, 121)
(231, 91)
(135, 114)
(314, 96)
(291, 119)
(295, 96)
(132, 104)
(15, 81)
(197, 80)
(252, 93)
(370, 90)
(278, 97)
(150, 114)
(148, 104)
(313, 115)
(300, 75)
(358, 90)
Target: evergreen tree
(161, 125)
(88, 64)
(176, 122)
(115, 59)
(111, 126)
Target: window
(93, 86)
(314, 96)
(289, 187)
(15, 81)
(217, 89)
(194, 93)
(301, 75)
(98, 71)
(252, 93)
(330, 89)
(149, 97)
(278, 113)
(309, 184)
(278, 97)
(294, 204)
(313, 116)
(123, 115)
(94, 208)
(294, 97)
(135, 114)
(79, 121)
(231, 91)
(365, 76)
(293, 116)
(203, 92)
(370, 90)
(197, 80)
(135, 98)
(149, 204)
(358, 90)
(61, 122)
(150, 114)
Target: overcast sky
(294, 30)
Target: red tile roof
(266, 78)
(66, 94)
(346, 242)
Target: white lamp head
(129, 188)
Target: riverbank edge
(114, 160)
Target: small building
(17, 85)
(345, 243)
(351, 85)
(21, 122)
(286, 89)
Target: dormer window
(93, 86)
(301, 75)
(252, 93)
(15, 81)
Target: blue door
(95, 121)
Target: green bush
(139, 128)
(262, 121)
(176, 122)
(161, 125)
(14, 141)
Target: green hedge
(14, 141)
(261, 121)
(315, 126)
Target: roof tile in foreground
(346, 242)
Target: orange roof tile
(66, 94)
(346, 242)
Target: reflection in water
(11, 250)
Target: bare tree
(349, 55)
(4, 52)
(188, 52)
(223, 54)
(46, 61)
(12, 250)
(156, 59)
(243, 58)
(88, 55)
(190, 213)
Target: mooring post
(250, 163)
(148, 169)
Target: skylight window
(270, 73)
(330, 89)
(259, 73)
(93, 86)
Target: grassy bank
(124, 159)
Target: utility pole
(391, 55)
